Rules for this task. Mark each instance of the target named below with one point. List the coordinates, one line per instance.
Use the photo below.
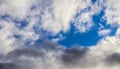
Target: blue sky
(73, 36)
(59, 34)
(89, 38)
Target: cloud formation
(105, 55)
(22, 22)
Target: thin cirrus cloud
(24, 22)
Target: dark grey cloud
(51, 56)
(30, 52)
(13, 60)
(48, 45)
(73, 55)
(113, 58)
(8, 66)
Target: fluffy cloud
(111, 11)
(6, 40)
(15, 8)
(24, 20)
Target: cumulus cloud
(23, 21)
(26, 19)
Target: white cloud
(61, 16)
(54, 18)
(112, 11)
(16, 8)
(6, 41)
(107, 46)
(105, 32)
(84, 22)
(58, 16)
(118, 33)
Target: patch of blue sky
(88, 38)
(5, 17)
(38, 41)
(17, 36)
(40, 31)
(28, 42)
(113, 31)
(87, 9)
(72, 38)
(97, 20)
(43, 35)
(93, 1)
(82, 39)
(21, 24)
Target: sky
(59, 34)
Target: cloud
(73, 55)
(6, 41)
(54, 16)
(16, 9)
(83, 22)
(114, 58)
(8, 66)
(104, 32)
(105, 55)
(112, 7)
(37, 16)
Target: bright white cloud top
(24, 22)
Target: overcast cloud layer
(22, 22)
